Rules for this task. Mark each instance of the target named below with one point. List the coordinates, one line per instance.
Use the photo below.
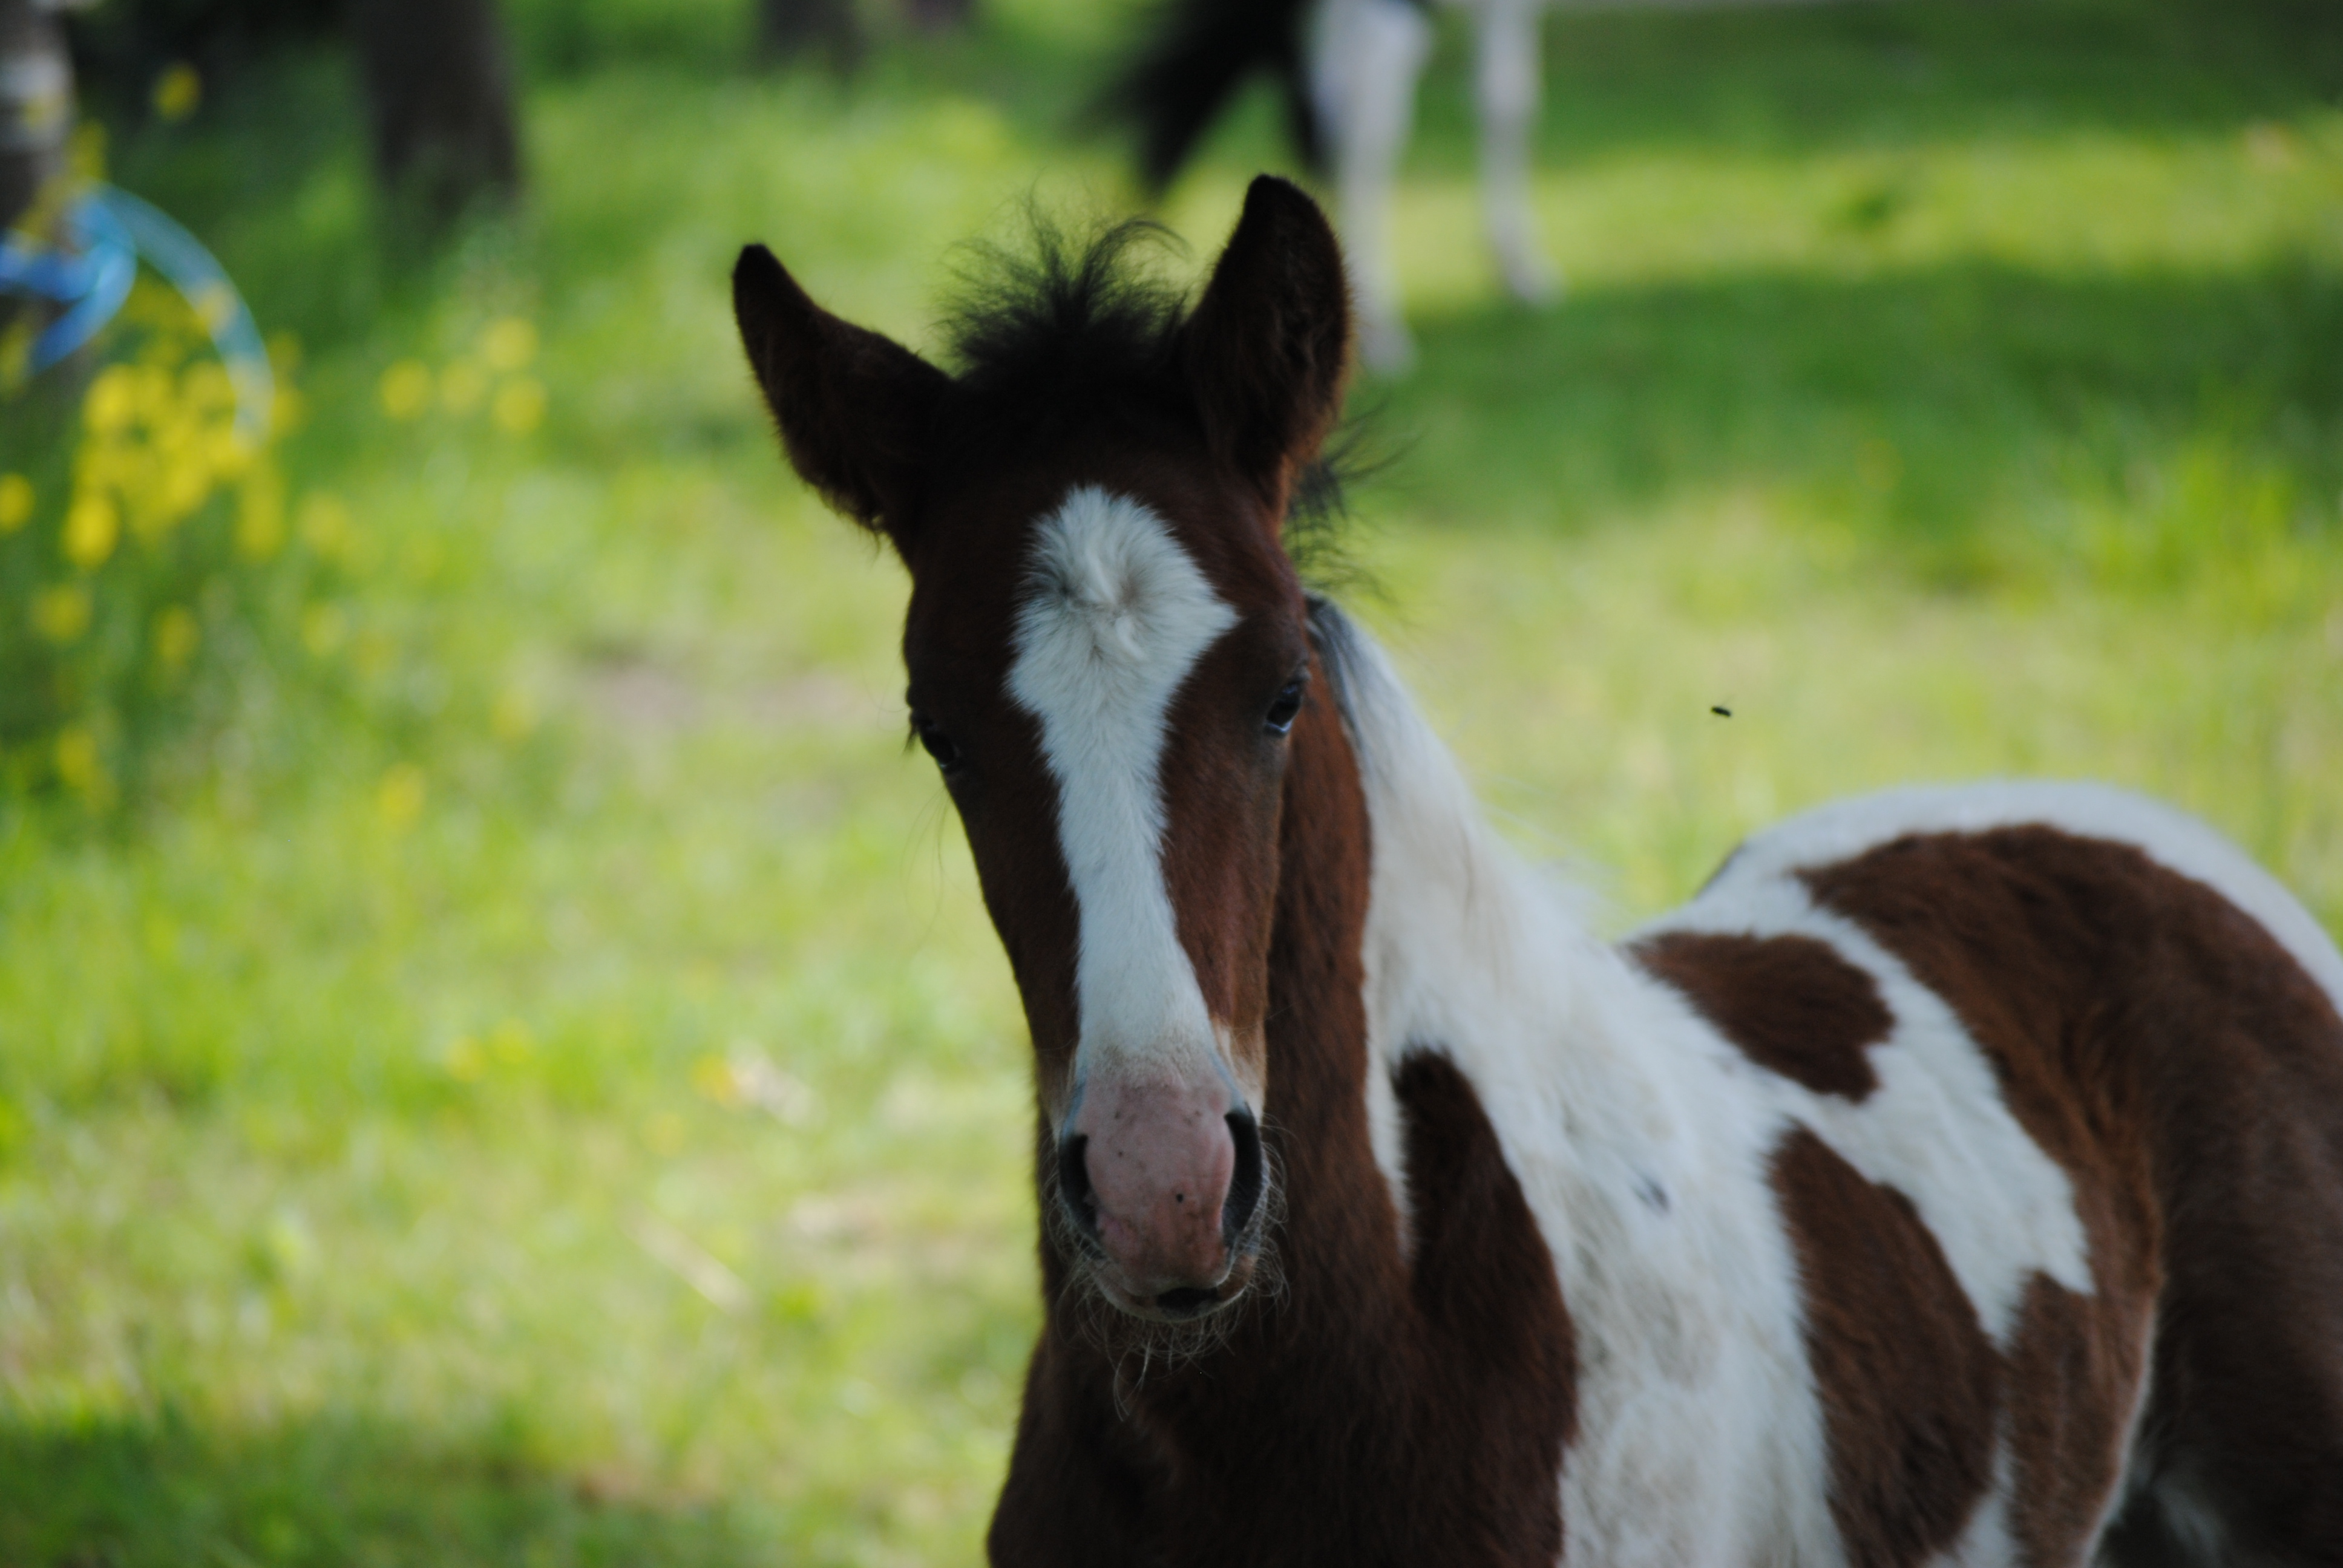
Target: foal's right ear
(854, 407)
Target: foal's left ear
(1269, 345)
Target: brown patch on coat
(1503, 1350)
(2073, 1370)
(1793, 1005)
(1908, 1381)
(1221, 772)
(2188, 1074)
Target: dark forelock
(1065, 332)
(1071, 332)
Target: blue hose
(109, 231)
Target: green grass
(1946, 389)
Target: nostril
(1246, 1180)
(1074, 1184)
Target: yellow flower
(228, 453)
(15, 502)
(462, 386)
(519, 407)
(512, 1042)
(186, 482)
(152, 392)
(260, 521)
(92, 527)
(205, 385)
(513, 716)
(509, 344)
(177, 91)
(406, 389)
(61, 614)
(325, 524)
(78, 763)
(175, 636)
(112, 400)
(401, 795)
(713, 1077)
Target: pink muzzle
(1165, 1178)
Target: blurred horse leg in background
(1349, 69)
(1364, 58)
(1505, 87)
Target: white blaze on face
(1116, 615)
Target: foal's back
(2064, 1187)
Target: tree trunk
(439, 97)
(36, 103)
(792, 30)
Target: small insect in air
(1722, 711)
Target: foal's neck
(1468, 950)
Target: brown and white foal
(1957, 1178)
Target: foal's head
(1109, 660)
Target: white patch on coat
(1986, 1540)
(1935, 1129)
(1116, 614)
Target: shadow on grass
(125, 1494)
(1868, 75)
(1719, 77)
(1917, 404)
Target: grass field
(537, 1086)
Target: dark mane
(1070, 329)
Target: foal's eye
(1280, 716)
(939, 746)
